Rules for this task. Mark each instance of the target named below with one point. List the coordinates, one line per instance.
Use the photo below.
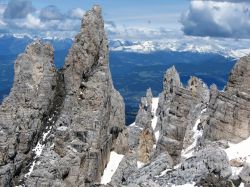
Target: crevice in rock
(48, 121)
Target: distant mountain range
(15, 44)
(177, 46)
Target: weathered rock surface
(179, 108)
(206, 161)
(229, 113)
(24, 112)
(195, 125)
(61, 126)
(146, 143)
(245, 174)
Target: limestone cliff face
(229, 118)
(178, 109)
(60, 126)
(24, 112)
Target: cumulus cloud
(116, 31)
(32, 22)
(20, 17)
(217, 19)
(51, 12)
(17, 9)
(76, 13)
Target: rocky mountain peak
(37, 47)
(171, 81)
(24, 112)
(239, 78)
(89, 51)
(198, 88)
(73, 117)
(34, 74)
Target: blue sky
(130, 12)
(130, 19)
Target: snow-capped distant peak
(204, 46)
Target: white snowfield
(240, 151)
(112, 166)
(140, 164)
(184, 185)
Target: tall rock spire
(90, 50)
(92, 116)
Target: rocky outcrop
(60, 126)
(229, 113)
(24, 113)
(195, 126)
(179, 108)
(205, 162)
(146, 143)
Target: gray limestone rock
(142, 121)
(171, 81)
(24, 112)
(207, 161)
(229, 110)
(179, 109)
(58, 127)
(245, 174)
(92, 116)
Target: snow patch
(155, 102)
(157, 135)
(184, 185)
(236, 171)
(112, 166)
(242, 185)
(132, 125)
(240, 151)
(188, 152)
(154, 122)
(164, 172)
(140, 164)
(38, 151)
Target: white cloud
(32, 22)
(219, 19)
(136, 32)
(51, 12)
(76, 13)
(17, 9)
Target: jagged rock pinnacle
(90, 50)
(171, 81)
(57, 128)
